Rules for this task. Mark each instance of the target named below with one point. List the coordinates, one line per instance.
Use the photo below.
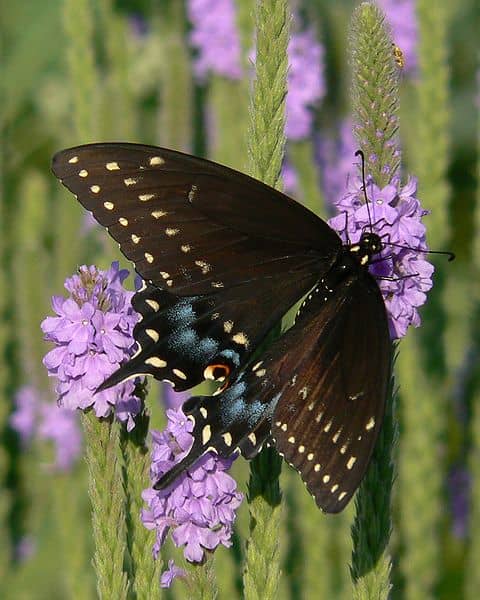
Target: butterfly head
(367, 247)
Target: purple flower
(170, 574)
(459, 483)
(23, 420)
(172, 399)
(92, 333)
(60, 425)
(306, 86)
(337, 160)
(215, 37)
(290, 179)
(34, 418)
(402, 18)
(199, 509)
(25, 548)
(396, 216)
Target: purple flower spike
(396, 216)
(214, 35)
(92, 333)
(402, 18)
(306, 86)
(24, 418)
(199, 508)
(60, 425)
(171, 398)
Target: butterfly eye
(217, 372)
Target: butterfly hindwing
(186, 339)
(333, 389)
(189, 225)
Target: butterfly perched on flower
(223, 257)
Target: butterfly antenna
(451, 255)
(362, 156)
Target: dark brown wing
(333, 389)
(192, 226)
(319, 390)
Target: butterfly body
(223, 258)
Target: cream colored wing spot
(109, 205)
(336, 436)
(351, 461)
(260, 372)
(158, 214)
(203, 412)
(185, 248)
(169, 282)
(191, 193)
(327, 427)
(206, 434)
(129, 181)
(156, 361)
(156, 161)
(253, 438)
(153, 304)
(112, 166)
(301, 449)
(148, 257)
(255, 367)
(83, 173)
(135, 238)
(145, 197)
(370, 424)
(165, 275)
(241, 339)
(123, 221)
(179, 374)
(334, 488)
(204, 266)
(284, 427)
(217, 284)
(326, 478)
(152, 334)
(291, 439)
(73, 160)
(95, 189)
(228, 326)
(227, 438)
(342, 496)
(170, 231)
(310, 456)
(317, 468)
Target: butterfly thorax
(365, 249)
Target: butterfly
(223, 257)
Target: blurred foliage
(131, 75)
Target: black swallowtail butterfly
(224, 257)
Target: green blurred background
(79, 71)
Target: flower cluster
(306, 86)
(199, 509)
(402, 19)
(396, 216)
(214, 35)
(34, 418)
(93, 335)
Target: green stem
(175, 113)
(266, 140)
(375, 109)
(145, 570)
(107, 496)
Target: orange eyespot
(217, 372)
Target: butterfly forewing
(189, 225)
